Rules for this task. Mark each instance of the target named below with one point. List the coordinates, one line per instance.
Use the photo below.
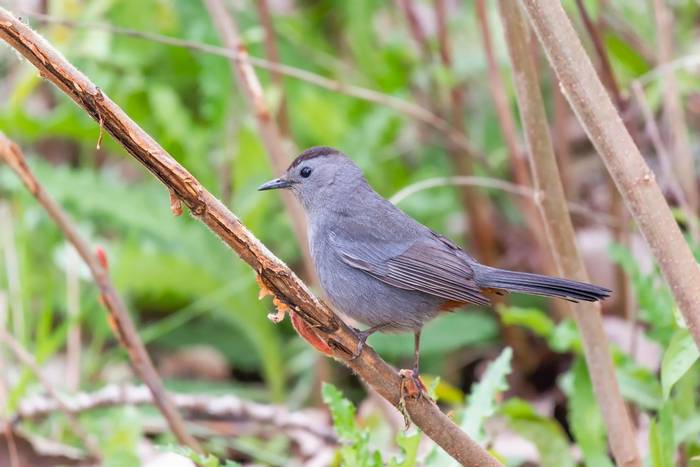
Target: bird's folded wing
(429, 267)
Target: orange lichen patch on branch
(175, 204)
(282, 309)
(264, 290)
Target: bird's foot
(412, 387)
(411, 384)
(362, 337)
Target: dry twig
(27, 360)
(119, 317)
(200, 407)
(409, 109)
(277, 277)
(633, 178)
(561, 236)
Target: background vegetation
(197, 305)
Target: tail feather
(536, 284)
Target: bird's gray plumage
(380, 266)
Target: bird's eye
(305, 172)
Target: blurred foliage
(184, 288)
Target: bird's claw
(362, 340)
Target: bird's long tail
(536, 284)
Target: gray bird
(383, 268)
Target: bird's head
(318, 176)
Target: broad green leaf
(545, 433)
(678, 358)
(585, 418)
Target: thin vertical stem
(272, 54)
(408, 9)
(477, 205)
(121, 322)
(12, 270)
(616, 208)
(632, 175)
(674, 116)
(518, 158)
(73, 308)
(269, 132)
(560, 234)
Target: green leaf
(566, 338)
(544, 432)
(585, 418)
(661, 445)
(342, 411)
(533, 319)
(479, 406)
(355, 450)
(409, 450)
(678, 358)
(203, 460)
(482, 403)
(440, 336)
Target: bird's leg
(416, 352)
(362, 337)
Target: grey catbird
(381, 267)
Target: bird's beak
(275, 184)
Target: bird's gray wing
(431, 266)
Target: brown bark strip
(277, 277)
(560, 234)
(518, 158)
(118, 315)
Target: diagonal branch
(274, 274)
(119, 317)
